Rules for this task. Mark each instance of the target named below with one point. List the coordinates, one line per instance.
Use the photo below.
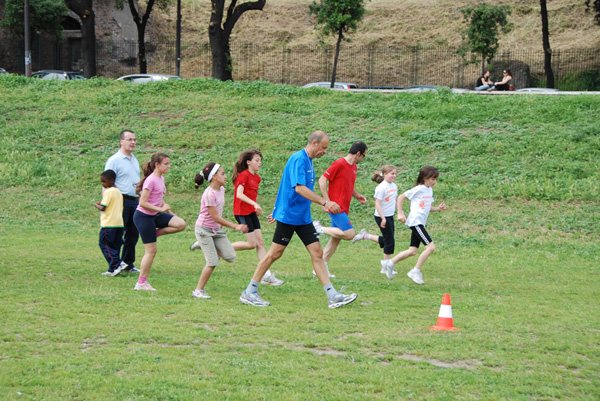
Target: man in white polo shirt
(127, 168)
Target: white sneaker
(122, 267)
(318, 226)
(387, 267)
(329, 274)
(200, 294)
(107, 273)
(271, 280)
(340, 299)
(416, 276)
(253, 299)
(195, 246)
(145, 287)
(360, 236)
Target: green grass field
(517, 249)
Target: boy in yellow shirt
(111, 223)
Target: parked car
(388, 88)
(3, 71)
(143, 78)
(337, 85)
(57, 74)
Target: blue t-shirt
(291, 208)
(127, 170)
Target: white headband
(213, 171)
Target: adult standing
(337, 185)
(127, 168)
(292, 213)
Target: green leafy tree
(219, 33)
(595, 7)
(140, 22)
(338, 17)
(44, 16)
(85, 11)
(485, 23)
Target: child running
(246, 210)
(111, 223)
(153, 217)
(421, 203)
(386, 197)
(209, 232)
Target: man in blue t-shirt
(292, 213)
(127, 168)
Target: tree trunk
(482, 65)
(547, 49)
(335, 58)
(83, 8)
(141, 28)
(219, 35)
(219, 46)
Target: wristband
(325, 203)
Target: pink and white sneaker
(145, 286)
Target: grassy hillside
(399, 23)
(516, 249)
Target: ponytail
(378, 176)
(201, 177)
(148, 168)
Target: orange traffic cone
(445, 317)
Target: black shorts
(419, 234)
(284, 232)
(251, 220)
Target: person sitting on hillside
(506, 82)
(484, 82)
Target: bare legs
(412, 251)
(176, 224)
(337, 235)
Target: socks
(252, 287)
(142, 280)
(329, 290)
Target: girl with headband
(210, 234)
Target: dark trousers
(386, 240)
(131, 236)
(110, 244)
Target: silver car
(143, 78)
(57, 74)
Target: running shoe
(253, 299)
(340, 299)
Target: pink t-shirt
(156, 186)
(211, 197)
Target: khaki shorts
(215, 243)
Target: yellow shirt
(112, 216)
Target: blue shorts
(148, 224)
(341, 221)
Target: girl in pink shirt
(210, 235)
(153, 217)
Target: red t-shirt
(341, 176)
(250, 183)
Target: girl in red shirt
(245, 208)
